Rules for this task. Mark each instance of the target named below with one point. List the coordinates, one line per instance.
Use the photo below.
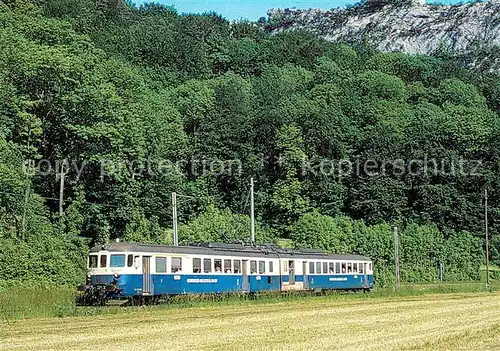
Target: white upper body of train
(213, 267)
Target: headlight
(89, 276)
(116, 275)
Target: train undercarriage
(110, 295)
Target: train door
(306, 277)
(146, 275)
(291, 272)
(365, 276)
(176, 266)
(244, 276)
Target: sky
(251, 9)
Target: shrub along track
(441, 321)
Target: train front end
(109, 277)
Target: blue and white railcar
(125, 270)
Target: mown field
(469, 321)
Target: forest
(124, 105)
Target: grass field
(468, 321)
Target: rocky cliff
(469, 31)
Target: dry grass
(429, 322)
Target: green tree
(314, 230)
(287, 198)
(216, 225)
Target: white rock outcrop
(469, 29)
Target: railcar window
(176, 264)
(311, 267)
(196, 265)
(207, 265)
(370, 267)
(217, 265)
(253, 267)
(93, 261)
(337, 267)
(349, 267)
(237, 266)
(104, 261)
(161, 264)
(130, 260)
(330, 268)
(117, 261)
(271, 266)
(227, 266)
(325, 267)
(361, 267)
(355, 268)
(343, 267)
(262, 267)
(318, 267)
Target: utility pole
(174, 219)
(252, 214)
(396, 255)
(487, 239)
(61, 188)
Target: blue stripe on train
(131, 284)
(339, 281)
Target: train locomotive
(145, 272)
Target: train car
(144, 272)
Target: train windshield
(117, 261)
(93, 261)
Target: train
(141, 273)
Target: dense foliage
(135, 103)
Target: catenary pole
(487, 239)
(61, 188)
(396, 256)
(174, 219)
(252, 213)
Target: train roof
(219, 249)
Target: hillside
(343, 142)
(470, 31)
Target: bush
(49, 257)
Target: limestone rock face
(470, 31)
